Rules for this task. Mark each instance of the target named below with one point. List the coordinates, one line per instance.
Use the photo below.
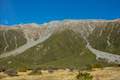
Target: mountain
(67, 43)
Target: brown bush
(11, 72)
(2, 68)
(36, 71)
(23, 69)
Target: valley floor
(109, 73)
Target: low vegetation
(84, 76)
(22, 69)
(36, 71)
(11, 72)
(2, 68)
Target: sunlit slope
(62, 49)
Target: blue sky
(40, 11)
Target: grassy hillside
(62, 49)
(11, 39)
(102, 34)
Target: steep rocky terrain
(67, 43)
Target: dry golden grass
(106, 74)
(98, 74)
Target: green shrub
(23, 69)
(97, 65)
(84, 76)
(88, 67)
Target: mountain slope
(68, 43)
(106, 37)
(63, 49)
(10, 40)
